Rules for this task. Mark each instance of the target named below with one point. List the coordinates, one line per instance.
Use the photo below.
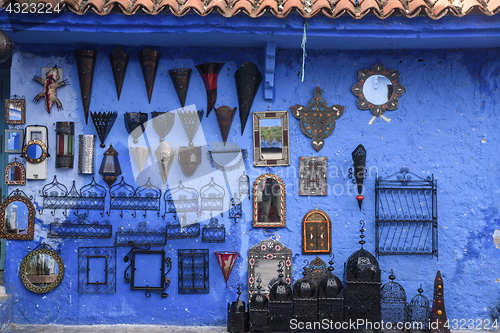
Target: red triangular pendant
(209, 72)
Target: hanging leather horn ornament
(225, 117)
(85, 62)
(248, 79)
(149, 63)
(180, 79)
(119, 61)
(209, 72)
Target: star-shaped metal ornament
(317, 120)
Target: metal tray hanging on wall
(248, 79)
(85, 61)
(149, 63)
(119, 62)
(141, 236)
(180, 79)
(225, 117)
(209, 72)
(135, 124)
(163, 122)
(80, 228)
(125, 197)
(358, 172)
(214, 232)
(103, 123)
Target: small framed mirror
(271, 145)
(15, 173)
(42, 270)
(14, 140)
(17, 217)
(269, 201)
(35, 151)
(15, 110)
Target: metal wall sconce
(97, 270)
(85, 62)
(50, 85)
(163, 122)
(180, 79)
(135, 124)
(316, 232)
(244, 185)
(141, 236)
(119, 62)
(189, 157)
(80, 228)
(125, 197)
(149, 63)
(15, 110)
(103, 123)
(140, 156)
(209, 73)
(145, 256)
(358, 172)
(176, 231)
(110, 166)
(214, 232)
(225, 115)
(313, 175)
(248, 79)
(212, 197)
(165, 157)
(193, 275)
(180, 200)
(226, 262)
(86, 150)
(17, 216)
(15, 173)
(65, 144)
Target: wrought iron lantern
(163, 122)
(135, 123)
(358, 172)
(393, 306)
(237, 316)
(180, 79)
(280, 303)
(65, 144)
(226, 262)
(149, 63)
(419, 313)
(103, 123)
(85, 61)
(209, 72)
(110, 167)
(258, 307)
(119, 62)
(305, 303)
(86, 149)
(248, 79)
(330, 296)
(189, 157)
(225, 115)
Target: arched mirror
(269, 201)
(17, 217)
(42, 270)
(378, 89)
(15, 173)
(35, 151)
(15, 110)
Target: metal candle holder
(135, 124)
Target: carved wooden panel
(316, 232)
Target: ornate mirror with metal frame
(264, 259)
(270, 138)
(42, 270)
(17, 217)
(35, 151)
(269, 201)
(15, 110)
(15, 173)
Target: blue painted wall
(446, 125)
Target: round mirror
(42, 270)
(35, 151)
(16, 218)
(377, 89)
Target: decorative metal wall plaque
(316, 232)
(214, 232)
(193, 273)
(358, 172)
(80, 228)
(209, 73)
(177, 231)
(149, 63)
(269, 201)
(125, 197)
(420, 313)
(86, 152)
(56, 196)
(163, 122)
(180, 79)
(313, 175)
(189, 157)
(85, 61)
(65, 144)
(50, 85)
(15, 110)
(393, 306)
(103, 123)
(140, 280)
(248, 79)
(180, 200)
(406, 214)
(225, 115)
(212, 197)
(119, 62)
(270, 135)
(140, 155)
(17, 216)
(141, 236)
(317, 120)
(15, 173)
(97, 270)
(135, 124)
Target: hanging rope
(303, 45)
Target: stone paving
(13, 328)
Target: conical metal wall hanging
(103, 122)
(135, 123)
(209, 72)
(165, 156)
(248, 79)
(119, 61)
(358, 171)
(85, 62)
(189, 157)
(149, 63)
(180, 79)
(163, 122)
(225, 117)
(140, 155)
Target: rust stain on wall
(496, 238)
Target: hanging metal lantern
(135, 123)
(225, 117)
(103, 123)
(189, 157)
(149, 63)
(248, 79)
(65, 143)
(119, 62)
(110, 166)
(5, 47)
(165, 156)
(358, 172)
(209, 72)
(180, 79)
(85, 61)
(86, 148)
(226, 262)
(140, 155)
(163, 122)
(237, 315)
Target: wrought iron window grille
(406, 214)
(212, 197)
(141, 236)
(92, 259)
(133, 257)
(193, 271)
(80, 228)
(90, 197)
(125, 197)
(180, 200)
(176, 231)
(214, 232)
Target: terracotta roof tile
(435, 9)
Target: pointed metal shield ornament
(135, 123)
(163, 122)
(190, 122)
(317, 120)
(140, 155)
(226, 262)
(119, 61)
(225, 117)
(165, 156)
(180, 79)
(85, 62)
(248, 79)
(149, 63)
(103, 122)
(358, 172)
(209, 72)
